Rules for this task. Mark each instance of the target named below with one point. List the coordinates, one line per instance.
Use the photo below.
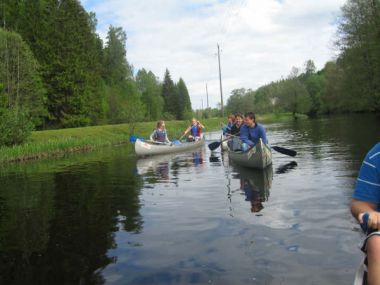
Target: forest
(56, 72)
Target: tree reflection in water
(58, 218)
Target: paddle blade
(285, 151)
(133, 139)
(176, 142)
(214, 145)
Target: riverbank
(50, 143)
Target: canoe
(146, 148)
(260, 156)
(223, 143)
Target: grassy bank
(50, 143)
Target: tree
(309, 67)
(150, 89)
(169, 95)
(184, 110)
(124, 99)
(359, 42)
(22, 97)
(116, 66)
(19, 76)
(313, 83)
(295, 97)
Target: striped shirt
(368, 182)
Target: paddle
(182, 137)
(285, 151)
(214, 145)
(133, 138)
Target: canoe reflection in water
(255, 184)
(164, 168)
(155, 167)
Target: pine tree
(150, 89)
(169, 95)
(184, 109)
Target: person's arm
(152, 135)
(187, 130)
(366, 196)
(359, 208)
(244, 136)
(166, 138)
(200, 125)
(264, 135)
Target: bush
(15, 127)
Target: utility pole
(207, 96)
(220, 83)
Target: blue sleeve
(367, 186)
(264, 135)
(244, 136)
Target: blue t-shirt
(368, 182)
(251, 136)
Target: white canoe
(223, 143)
(260, 156)
(145, 148)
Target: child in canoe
(159, 133)
(195, 130)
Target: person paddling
(235, 143)
(159, 134)
(228, 127)
(366, 201)
(235, 129)
(195, 130)
(251, 132)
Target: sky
(260, 40)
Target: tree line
(56, 72)
(351, 83)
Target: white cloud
(260, 39)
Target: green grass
(42, 144)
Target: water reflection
(284, 168)
(108, 218)
(198, 158)
(57, 225)
(155, 168)
(255, 184)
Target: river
(106, 217)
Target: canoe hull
(223, 144)
(146, 148)
(259, 156)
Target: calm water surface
(107, 217)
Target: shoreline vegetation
(56, 143)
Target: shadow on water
(58, 218)
(284, 168)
